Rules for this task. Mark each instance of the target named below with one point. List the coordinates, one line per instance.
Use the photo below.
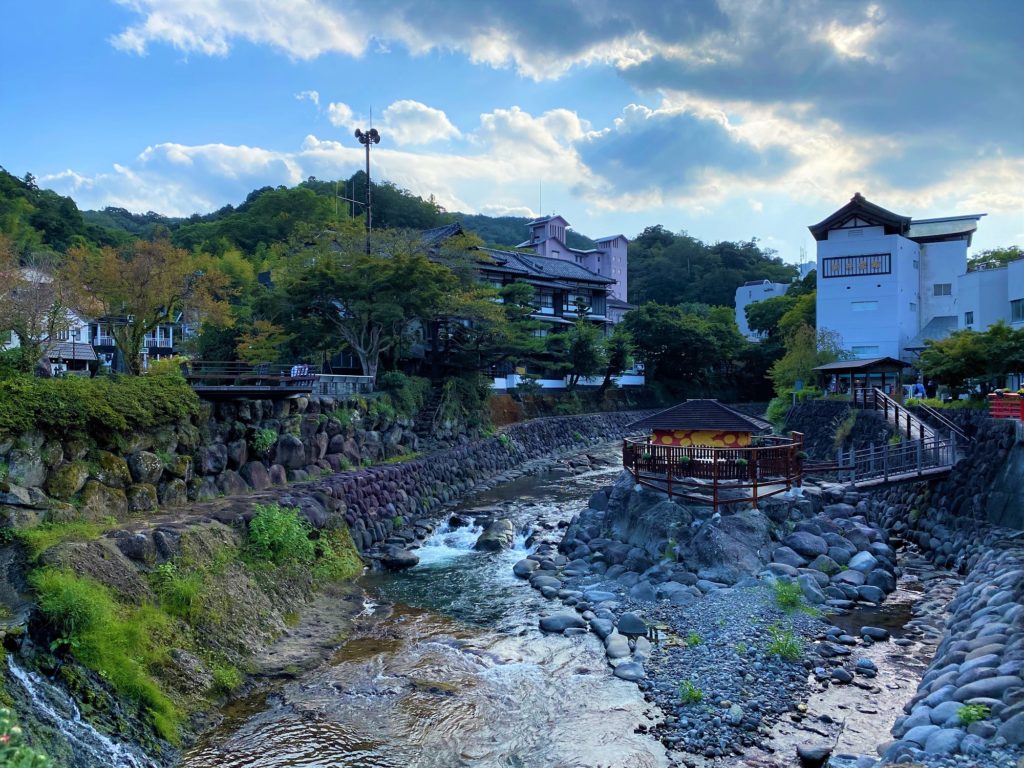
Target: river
(447, 668)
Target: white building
(750, 293)
(886, 282)
(990, 294)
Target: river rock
(602, 627)
(559, 622)
(525, 567)
(630, 670)
(787, 556)
(632, 625)
(396, 558)
(805, 544)
(616, 646)
(499, 535)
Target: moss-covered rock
(145, 467)
(76, 448)
(67, 480)
(174, 493)
(52, 454)
(25, 466)
(61, 512)
(110, 470)
(181, 467)
(99, 501)
(142, 497)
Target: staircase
(907, 424)
(426, 417)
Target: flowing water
(54, 707)
(447, 668)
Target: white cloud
(313, 96)
(411, 122)
(340, 114)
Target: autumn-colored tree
(137, 287)
(32, 304)
(262, 343)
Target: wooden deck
(717, 475)
(233, 380)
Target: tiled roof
(543, 266)
(937, 329)
(701, 414)
(66, 350)
(889, 363)
(438, 235)
(619, 303)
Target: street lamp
(366, 139)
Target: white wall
(1015, 286)
(751, 294)
(941, 263)
(985, 293)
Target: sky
(726, 119)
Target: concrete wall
(751, 294)
(941, 263)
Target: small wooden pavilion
(708, 453)
(857, 377)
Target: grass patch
(972, 713)
(402, 458)
(689, 693)
(48, 535)
(844, 429)
(788, 595)
(119, 643)
(784, 643)
(741, 649)
(14, 752)
(226, 678)
(279, 537)
(263, 440)
(693, 639)
(181, 592)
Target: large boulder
(499, 535)
(174, 493)
(256, 475)
(100, 501)
(290, 452)
(559, 622)
(212, 459)
(396, 558)
(806, 544)
(141, 497)
(67, 480)
(738, 545)
(25, 466)
(145, 467)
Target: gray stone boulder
(145, 467)
(289, 452)
(631, 671)
(787, 556)
(499, 535)
(525, 567)
(174, 493)
(142, 497)
(812, 592)
(256, 475)
(66, 480)
(396, 558)
(559, 622)
(110, 470)
(632, 625)
(616, 646)
(100, 501)
(863, 562)
(806, 544)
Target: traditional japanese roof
(937, 329)
(544, 219)
(619, 304)
(545, 267)
(701, 415)
(948, 228)
(606, 238)
(67, 350)
(438, 235)
(866, 213)
(889, 363)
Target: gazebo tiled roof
(701, 415)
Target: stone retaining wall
(818, 420)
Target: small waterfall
(90, 747)
(448, 543)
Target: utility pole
(366, 139)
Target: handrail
(880, 401)
(947, 423)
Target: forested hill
(667, 267)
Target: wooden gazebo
(708, 453)
(855, 378)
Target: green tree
(806, 349)
(262, 343)
(141, 285)
(618, 350)
(584, 354)
(998, 256)
(764, 316)
(968, 355)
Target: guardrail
(889, 462)
(225, 380)
(1006, 405)
(693, 472)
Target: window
(913, 307)
(1017, 311)
(915, 263)
(850, 266)
(863, 306)
(968, 318)
(943, 289)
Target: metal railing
(329, 385)
(234, 379)
(905, 421)
(746, 474)
(936, 417)
(889, 462)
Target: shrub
(14, 753)
(505, 441)
(120, 643)
(464, 398)
(577, 437)
(407, 393)
(104, 406)
(784, 644)
(689, 693)
(692, 638)
(398, 522)
(277, 535)
(263, 440)
(670, 551)
(844, 429)
(972, 713)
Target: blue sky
(728, 119)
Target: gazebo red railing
(717, 475)
(1006, 405)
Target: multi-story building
(752, 292)
(887, 282)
